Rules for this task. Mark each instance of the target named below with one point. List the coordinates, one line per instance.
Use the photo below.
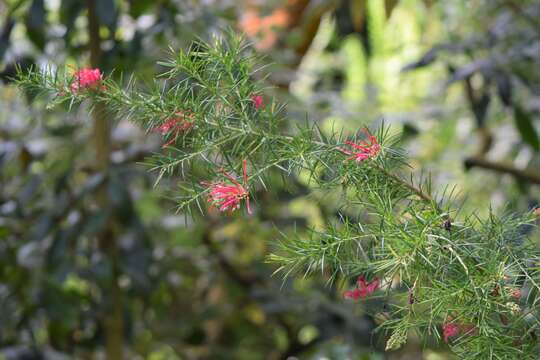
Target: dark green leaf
(526, 128)
(5, 35)
(504, 88)
(36, 23)
(106, 13)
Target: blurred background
(459, 79)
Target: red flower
(257, 101)
(364, 149)
(178, 124)
(363, 288)
(450, 330)
(515, 293)
(86, 79)
(227, 196)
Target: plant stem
(417, 191)
(525, 175)
(113, 319)
(412, 188)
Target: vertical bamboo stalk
(113, 320)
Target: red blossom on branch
(178, 124)
(86, 78)
(515, 293)
(258, 101)
(452, 329)
(227, 196)
(363, 150)
(363, 288)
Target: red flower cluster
(257, 101)
(176, 125)
(516, 293)
(364, 149)
(452, 329)
(227, 196)
(363, 288)
(86, 79)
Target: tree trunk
(113, 319)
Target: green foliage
(436, 264)
(526, 128)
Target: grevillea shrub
(470, 282)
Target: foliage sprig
(474, 282)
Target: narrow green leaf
(524, 124)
